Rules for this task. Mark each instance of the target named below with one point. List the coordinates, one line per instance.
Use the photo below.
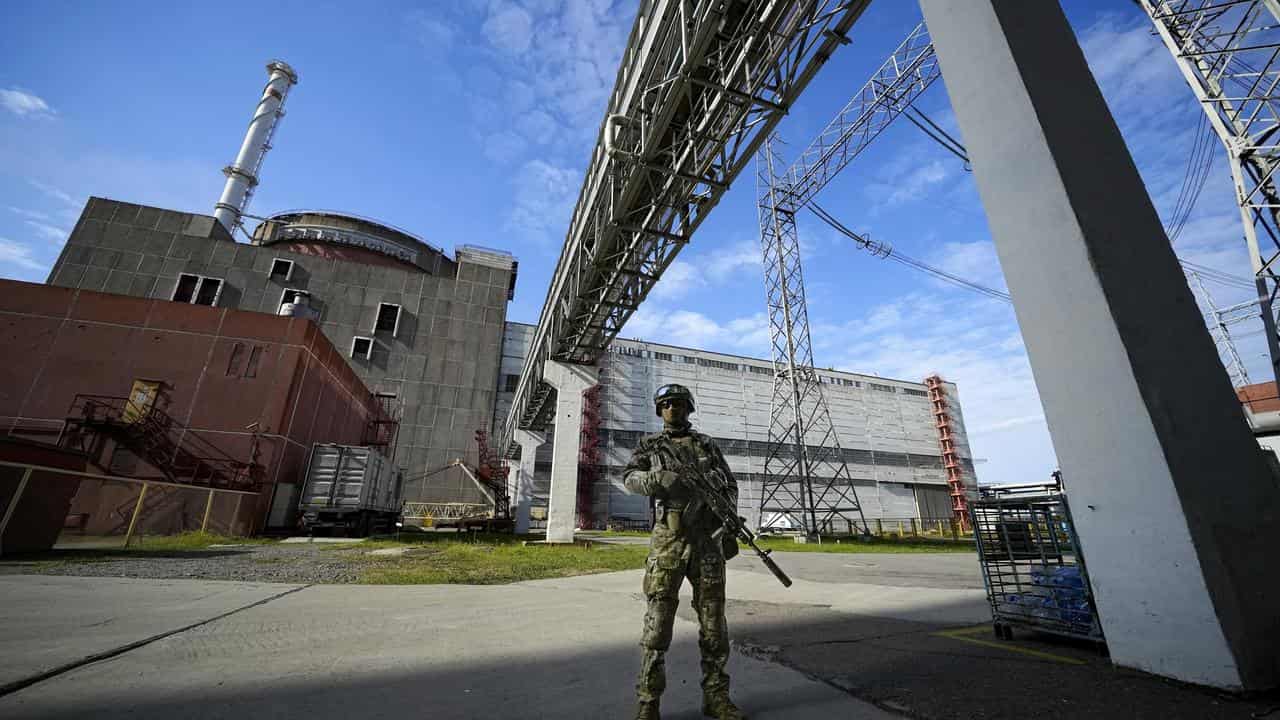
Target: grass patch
(487, 560)
(195, 540)
(868, 545)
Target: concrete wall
(298, 391)
(442, 364)
(885, 426)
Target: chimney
(242, 175)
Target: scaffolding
(493, 472)
(589, 457)
(950, 458)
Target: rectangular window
(237, 356)
(510, 382)
(197, 289)
(705, 362)
(361, 347)
(760, 370)
(662, 356)
(881, 388)
(291, 295)
(916, 393)
(388, 319)
(281, 270)
(251, 367)
(210, 290)
(186, 288)
(689, 360)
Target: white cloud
(974, 261)
(509, 28)
(24, 104)
(697, 270)
(54, 193)
(743, 335)
(29, 214)
(545, 195)
(435, 34)
(537, 126)
(48, 232)
(728, 262)
(914, 184)
(679, 279)
(18, 254)
(503, 147)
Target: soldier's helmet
(670, 392)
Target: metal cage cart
(1031, 563)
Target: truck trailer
(350, 490)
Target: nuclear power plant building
(422, 329)
(888, 429)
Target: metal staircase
(98, 424)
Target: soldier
(681, 546)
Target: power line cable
(888, 252)
(937, 133)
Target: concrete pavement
(849, 640)
(47, 622)
(542, 649)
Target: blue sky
(472, 121)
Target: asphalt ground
(856, 636)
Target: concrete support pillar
(522, 493)
(1175, 507)
(570, 381)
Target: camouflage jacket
(641, 475)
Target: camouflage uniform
(682, 546)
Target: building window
(760, 370)
(361, 347)
(238, 360)
(690, 360)
(291, 296)
(197, 290)
(388, 319)
(662, 356)
(185, 290)
(881, 388)
(251, 368)
(510, 382)
(233, 363)
(916, 393)
(281, 270)
(718, 364)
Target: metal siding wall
(735, 404)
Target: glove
(665, 479)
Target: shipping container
(350, 489)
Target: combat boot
(648, 710)
(720, 707)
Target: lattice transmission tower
(807, 480)
(1217, 322)
(1227, 50)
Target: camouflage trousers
(672, 558)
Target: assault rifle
(711, 490)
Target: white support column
(522, 493)
(1176, 510)
(570, 381)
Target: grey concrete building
(886, 427)
(417, 325)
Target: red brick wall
(1259, 398)
(225, 369)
